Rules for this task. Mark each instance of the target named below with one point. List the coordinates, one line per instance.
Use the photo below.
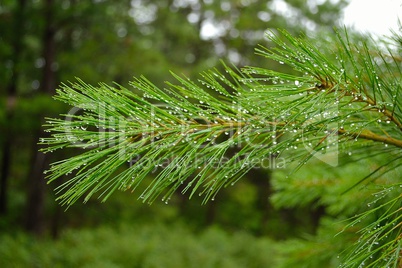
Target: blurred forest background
(46, 42)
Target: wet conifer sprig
(343, 97)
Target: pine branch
(207, 135)
(303, 103)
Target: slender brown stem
(387, 113)
(329, 86)
(368, 135)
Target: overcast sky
(375, 16)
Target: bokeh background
(44, 43)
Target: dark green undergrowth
(152, 245)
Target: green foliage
(150, 245)
(342, 103)
(324, 103)
(320, 250)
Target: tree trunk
(262, 181)
(36, 194)
(36, 187)
(19, 21)
(49, 49)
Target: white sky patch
(209, 31)
(282, 8)
(373, 16)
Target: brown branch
(387, 113)
(368, 135)
(358, 98)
